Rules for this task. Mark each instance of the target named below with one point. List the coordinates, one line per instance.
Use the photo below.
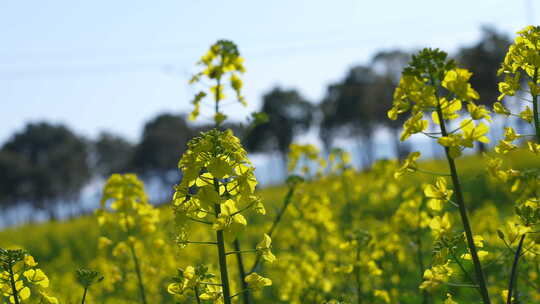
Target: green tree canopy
(14, 178)
(113, 154)
(483, 59)
(388, 66)
(163, 141)
(44, 164)
(288, 115)
(348, 109)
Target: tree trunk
(283, 158)
(482, 147)
(360, 153)
(397, 143)
(51, 213)
(369, 150)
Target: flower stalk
(513, 273)
(277, 220)
(14, 291)
(135, 258)
(480, 277)
(218, 180)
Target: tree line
(45, 165)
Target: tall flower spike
(20, 280)
(131, 213)
(129, 207)
(522, 59)
(433, 84)
(216, 170)
(222, 59)
(521, 69)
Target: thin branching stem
(461, 285)
(513, 273)
(84, 295)
(135, 260)
(460, 127)
(429, 135)
(199, 221)
(480, 278)
(241, 271)
(240, 292)
(138, 271)
(240, 251)
(243, 209)
(465, 272)
(286, 203)
(523, 99)
(196, 290)
(431, 172)
(14, 292)
(210, 283)
(419, 255)
(201, 243)
(357, 276)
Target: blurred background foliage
(47, 166)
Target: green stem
(419, 256)
(196, 289)
(461, 285)
(243, 209)
(241, 271)
(463, 213)
(465, 272)
(84, 295)
(240, 251)
(348, 204)
(218, 94)
(217, 208)
(535, 109)
(286, 203)
(135, 259)
(201, 243)
(221, 255)
(199, 221)
(357, 276)
(240, 292)
(15, 294)
(138, 271)
(210, 283)
(431, 172)
(513, 274)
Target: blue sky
(112, 65)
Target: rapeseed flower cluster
(21, 280)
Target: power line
(251, 52)
(84, 70)
(254, 53)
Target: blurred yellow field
(460, 229)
